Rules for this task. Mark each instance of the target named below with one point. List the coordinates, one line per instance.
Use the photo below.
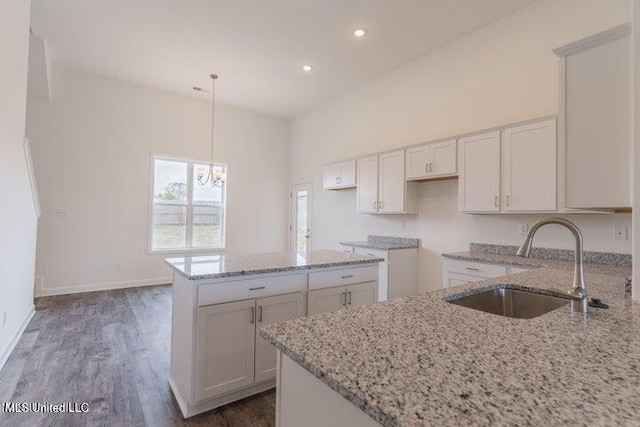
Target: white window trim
(215, 250)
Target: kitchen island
(419, 360)
(219, 301)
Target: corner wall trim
(14, 341)
(106, 286)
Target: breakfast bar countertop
(419, 360)
(221, 266)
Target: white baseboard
(16, 337)
(44, 292)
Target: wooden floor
(111, 350)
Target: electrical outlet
(621, 233)
(524, 228)
(118, 267)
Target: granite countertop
(220, 266)
(419, 360)
(384, 243)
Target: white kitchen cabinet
(529, 167)
(433, 160)
(382, 188)
(509, 171)
(340, 175)
(333, 299)
(595, 103)
(461, 272)
(224, 348)
(398, 274)
(479, 182)
(270, 310)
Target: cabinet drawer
(475, 268)
(216, 293)
(346, 276)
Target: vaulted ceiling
(256, 46)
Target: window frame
(189, 208)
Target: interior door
(271, 310)
(300, 227)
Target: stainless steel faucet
(578, 293)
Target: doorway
(300, 227)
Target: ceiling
(257, 47)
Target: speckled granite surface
(385, 243)
(219, 266)
(419, 360)
(556, 254)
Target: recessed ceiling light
(307, 67)
(360, 32)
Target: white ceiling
(256, 46)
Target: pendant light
(214, 177)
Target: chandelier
(215, 175)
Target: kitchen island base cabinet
(334, 299)
(318, 406)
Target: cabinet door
(348, 174)
(326, 300)
(332, 176)
(367, 190)
(443, 158)
(418, 160)
(391, 183)
(271, 310)
(597, 111)
(479, 183)
(225, 340)
(529, 167)
(362, 294)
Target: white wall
(503, 73)
(18, 221)
(92, 145)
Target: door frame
(293, 216)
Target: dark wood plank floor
(111, 350)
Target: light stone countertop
(385, 243)
(221, 266)
(419, 360)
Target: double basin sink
(509, 302)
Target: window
(184, 214)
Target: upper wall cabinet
(509, 171)
(432, 160)
(595, 88)
(529, 167)
(479, 183)
(382, 188)
(340, 175)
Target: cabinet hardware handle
(348, 276)
(370, 254)
(349, 297)
(253, 315)
(508, 200)
(426, 167)
(343, 298)
(495, 201)
(258, 288)
(375, 205)
(381, 204)
(260, 313)
(338, 180)
(430, 167)
(473, 269)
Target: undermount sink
(505, 301)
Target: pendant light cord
(213, 106)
